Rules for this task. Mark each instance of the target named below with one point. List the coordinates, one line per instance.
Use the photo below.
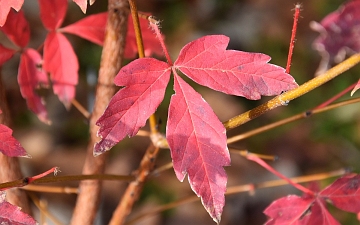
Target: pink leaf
(339, 34)
(318, 215)
(151, 43)
(288, 210)
(91, 28)
(82, 4)
(207, 62)
(61, 62)
(30, 77)
(9, 145)
(145, 82)
(17, 28)
(11, 214)
(52, 13)
(344, 193)
(5, 7)
(5, 54)
(198, 146)
(357, 86)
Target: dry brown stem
(112, 55)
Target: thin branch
(143, 133)
(293, 35)
(134, 189)
(289, 120)
(243, 153)
(111, 58)
(51, 189)
(140, 46)
(336, 97)
(25, 181)
(238, 189)
(286, 97)
(81, 108)
(147, 164)
(246, 153)
(44, 210)
(272, 170)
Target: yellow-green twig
(286, 97)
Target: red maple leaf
(17, 28)
(344, 194)
(52, 13)
(197, 141)
(145, 82)
(91, 28)
(5, 7)
(30, 77)
(59, 57)
(61, 62)
(232, 72)
(339, 34)
(11, 214)
(9, 145)
(195, 135)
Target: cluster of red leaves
(6, 5)
(339, 34)
(59, 59)
(196, 137)
(310, 209)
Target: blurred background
(320, 143)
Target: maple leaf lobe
(144, 81)
(207, 62)
(198, 146)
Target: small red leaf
(151, 43)
(145, 81)
(9, 145)
(207, 62)
(5, 54)
(198, 146)
(339, 34)
(61, 62)
(5, 7)
(344, 193)
(91, 28)
(17, 28)
(30, 77)
(11, 214)
(82, 4)
(288, 210)
(52, 13)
